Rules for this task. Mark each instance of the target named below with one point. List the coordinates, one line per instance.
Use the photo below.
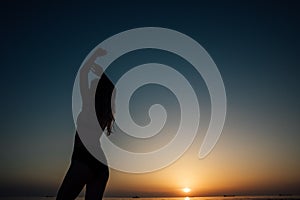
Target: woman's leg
(74, 181)
(96, 186)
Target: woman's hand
(95, 68)
(91, 65)
(98, 53)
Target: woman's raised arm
(84, 71)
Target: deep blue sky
(255, 44)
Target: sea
(279, 197)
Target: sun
(186, 190)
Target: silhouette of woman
(85, 169)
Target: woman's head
(103, 103)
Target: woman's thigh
(74, 181)
(96, 186)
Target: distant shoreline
(225, 196)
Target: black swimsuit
(81, 154)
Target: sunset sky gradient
(255, 45)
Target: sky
(255, 45)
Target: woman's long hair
(103, 108)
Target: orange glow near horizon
(224, 171)
(186, 190)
